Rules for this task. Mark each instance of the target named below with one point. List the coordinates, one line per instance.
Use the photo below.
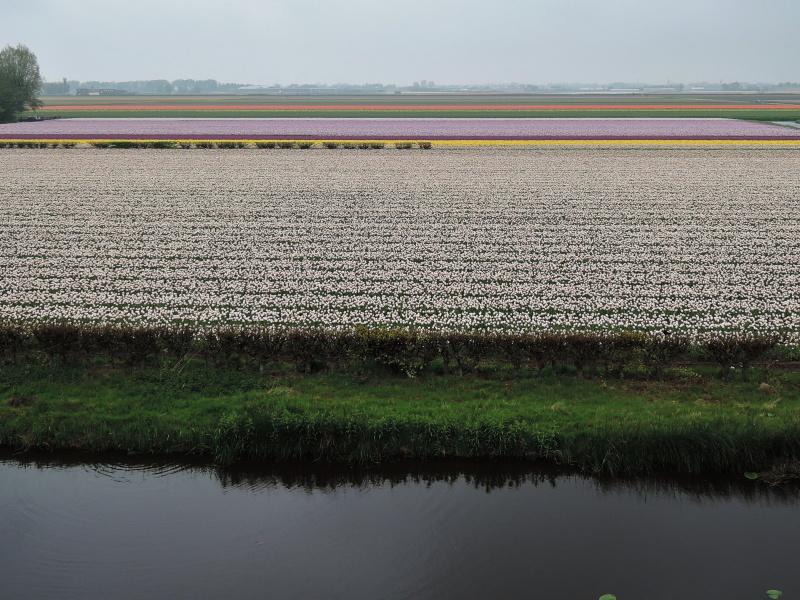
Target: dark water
(449, 531)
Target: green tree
(20, 81)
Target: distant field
(741, 106)
(751, 115)
(319, 129)
(518, 240)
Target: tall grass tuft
(230, 145)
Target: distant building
(100, 92)
(662, 89)
(313, 91)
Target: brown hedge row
(404, 351)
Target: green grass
(752, 115)
(691, 422)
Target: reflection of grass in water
(697, 424)
(479, 474)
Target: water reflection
(134, 528)
(484, 475)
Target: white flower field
(692, 240)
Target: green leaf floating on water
(774, 594)
(751, 475)
(612, 597)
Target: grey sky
(448, 41)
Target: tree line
(149, 86)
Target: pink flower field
(433, 129)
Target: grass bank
(690, 421)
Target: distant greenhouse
(102, 92)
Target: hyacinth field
(761, 107)
(400, 128)
(504, 239)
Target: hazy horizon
(449, 42)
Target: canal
(73, 529)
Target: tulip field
(690, 240)
(762, 107)
(483, 129)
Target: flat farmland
(438, 129)
(491, 239)
(763, 106)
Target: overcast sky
(400, 41)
